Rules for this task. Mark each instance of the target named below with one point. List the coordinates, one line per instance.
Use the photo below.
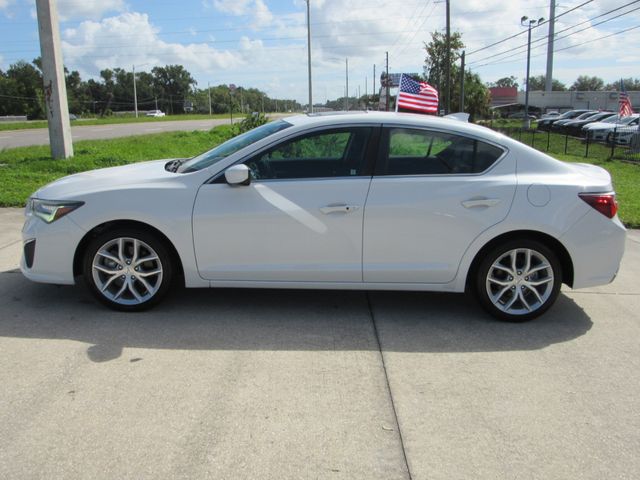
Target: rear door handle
(481, 202)
(339, 208)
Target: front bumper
(53, 248)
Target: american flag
(624, 103)
(418, 96)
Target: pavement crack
(9, 244)
(389, 392)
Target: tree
(505, 82)
(435, 64)
(477, 95)
(585, 83)
(630, 84)
(539, 83)
(172, 83)
(21, 87)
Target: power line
(525, 31)
(564, 30)
(564, 48)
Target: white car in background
(155, 113)
(602, 131)
(361, 201)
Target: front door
(300, 219)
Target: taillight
(605, 203)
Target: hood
(75, 186)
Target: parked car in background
(546, 123)
(626, 135)
(558, 126)
(549, 115)
(155, 113)
(601, 131)
(574, 127)
(521, 115)
(359, 201)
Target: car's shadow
(242, 319)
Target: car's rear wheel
(128, 269)
(519, 280)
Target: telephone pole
(346, 99)
(448, 60)
(374, 80)
(462, 83)
(135, 93)
(55, 89)
(209, 93)
(309, 57)
(387, 81)
(548, 81)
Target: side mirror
(238, 175)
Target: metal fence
(621, 143)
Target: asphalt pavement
(40, 136)
(288, 384)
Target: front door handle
(339, 208)
(481, 202)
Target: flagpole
(399, 87)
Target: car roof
(393, 118)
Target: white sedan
(604, 130)
(367, 201)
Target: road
(247, 384)
(40, 136)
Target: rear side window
(423, 152)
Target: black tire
(495, 294)
(140, 285)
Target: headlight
(50, 210)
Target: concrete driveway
(250, 384)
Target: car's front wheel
(519, 280)
(127, 269)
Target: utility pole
(448, 60)
(209, 94)
(387, 81)
(346, 98)
(374, 80)
(156, 102)
(135, 93)
(309, 56)
(55, 89)
(462, 83)
(548, 81)
(524, 21)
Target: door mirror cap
(238, 175)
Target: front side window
(329, 153)
(424, 152)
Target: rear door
(432, 194)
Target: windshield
(231, 146)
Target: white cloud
(130, 38)
(256, 9)
(83, 9)
(5, 3)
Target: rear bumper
(596, 245)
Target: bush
(250, 122)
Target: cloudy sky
(262, 43)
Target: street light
(526, 22)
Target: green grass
(110, 120)
(23, 170)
